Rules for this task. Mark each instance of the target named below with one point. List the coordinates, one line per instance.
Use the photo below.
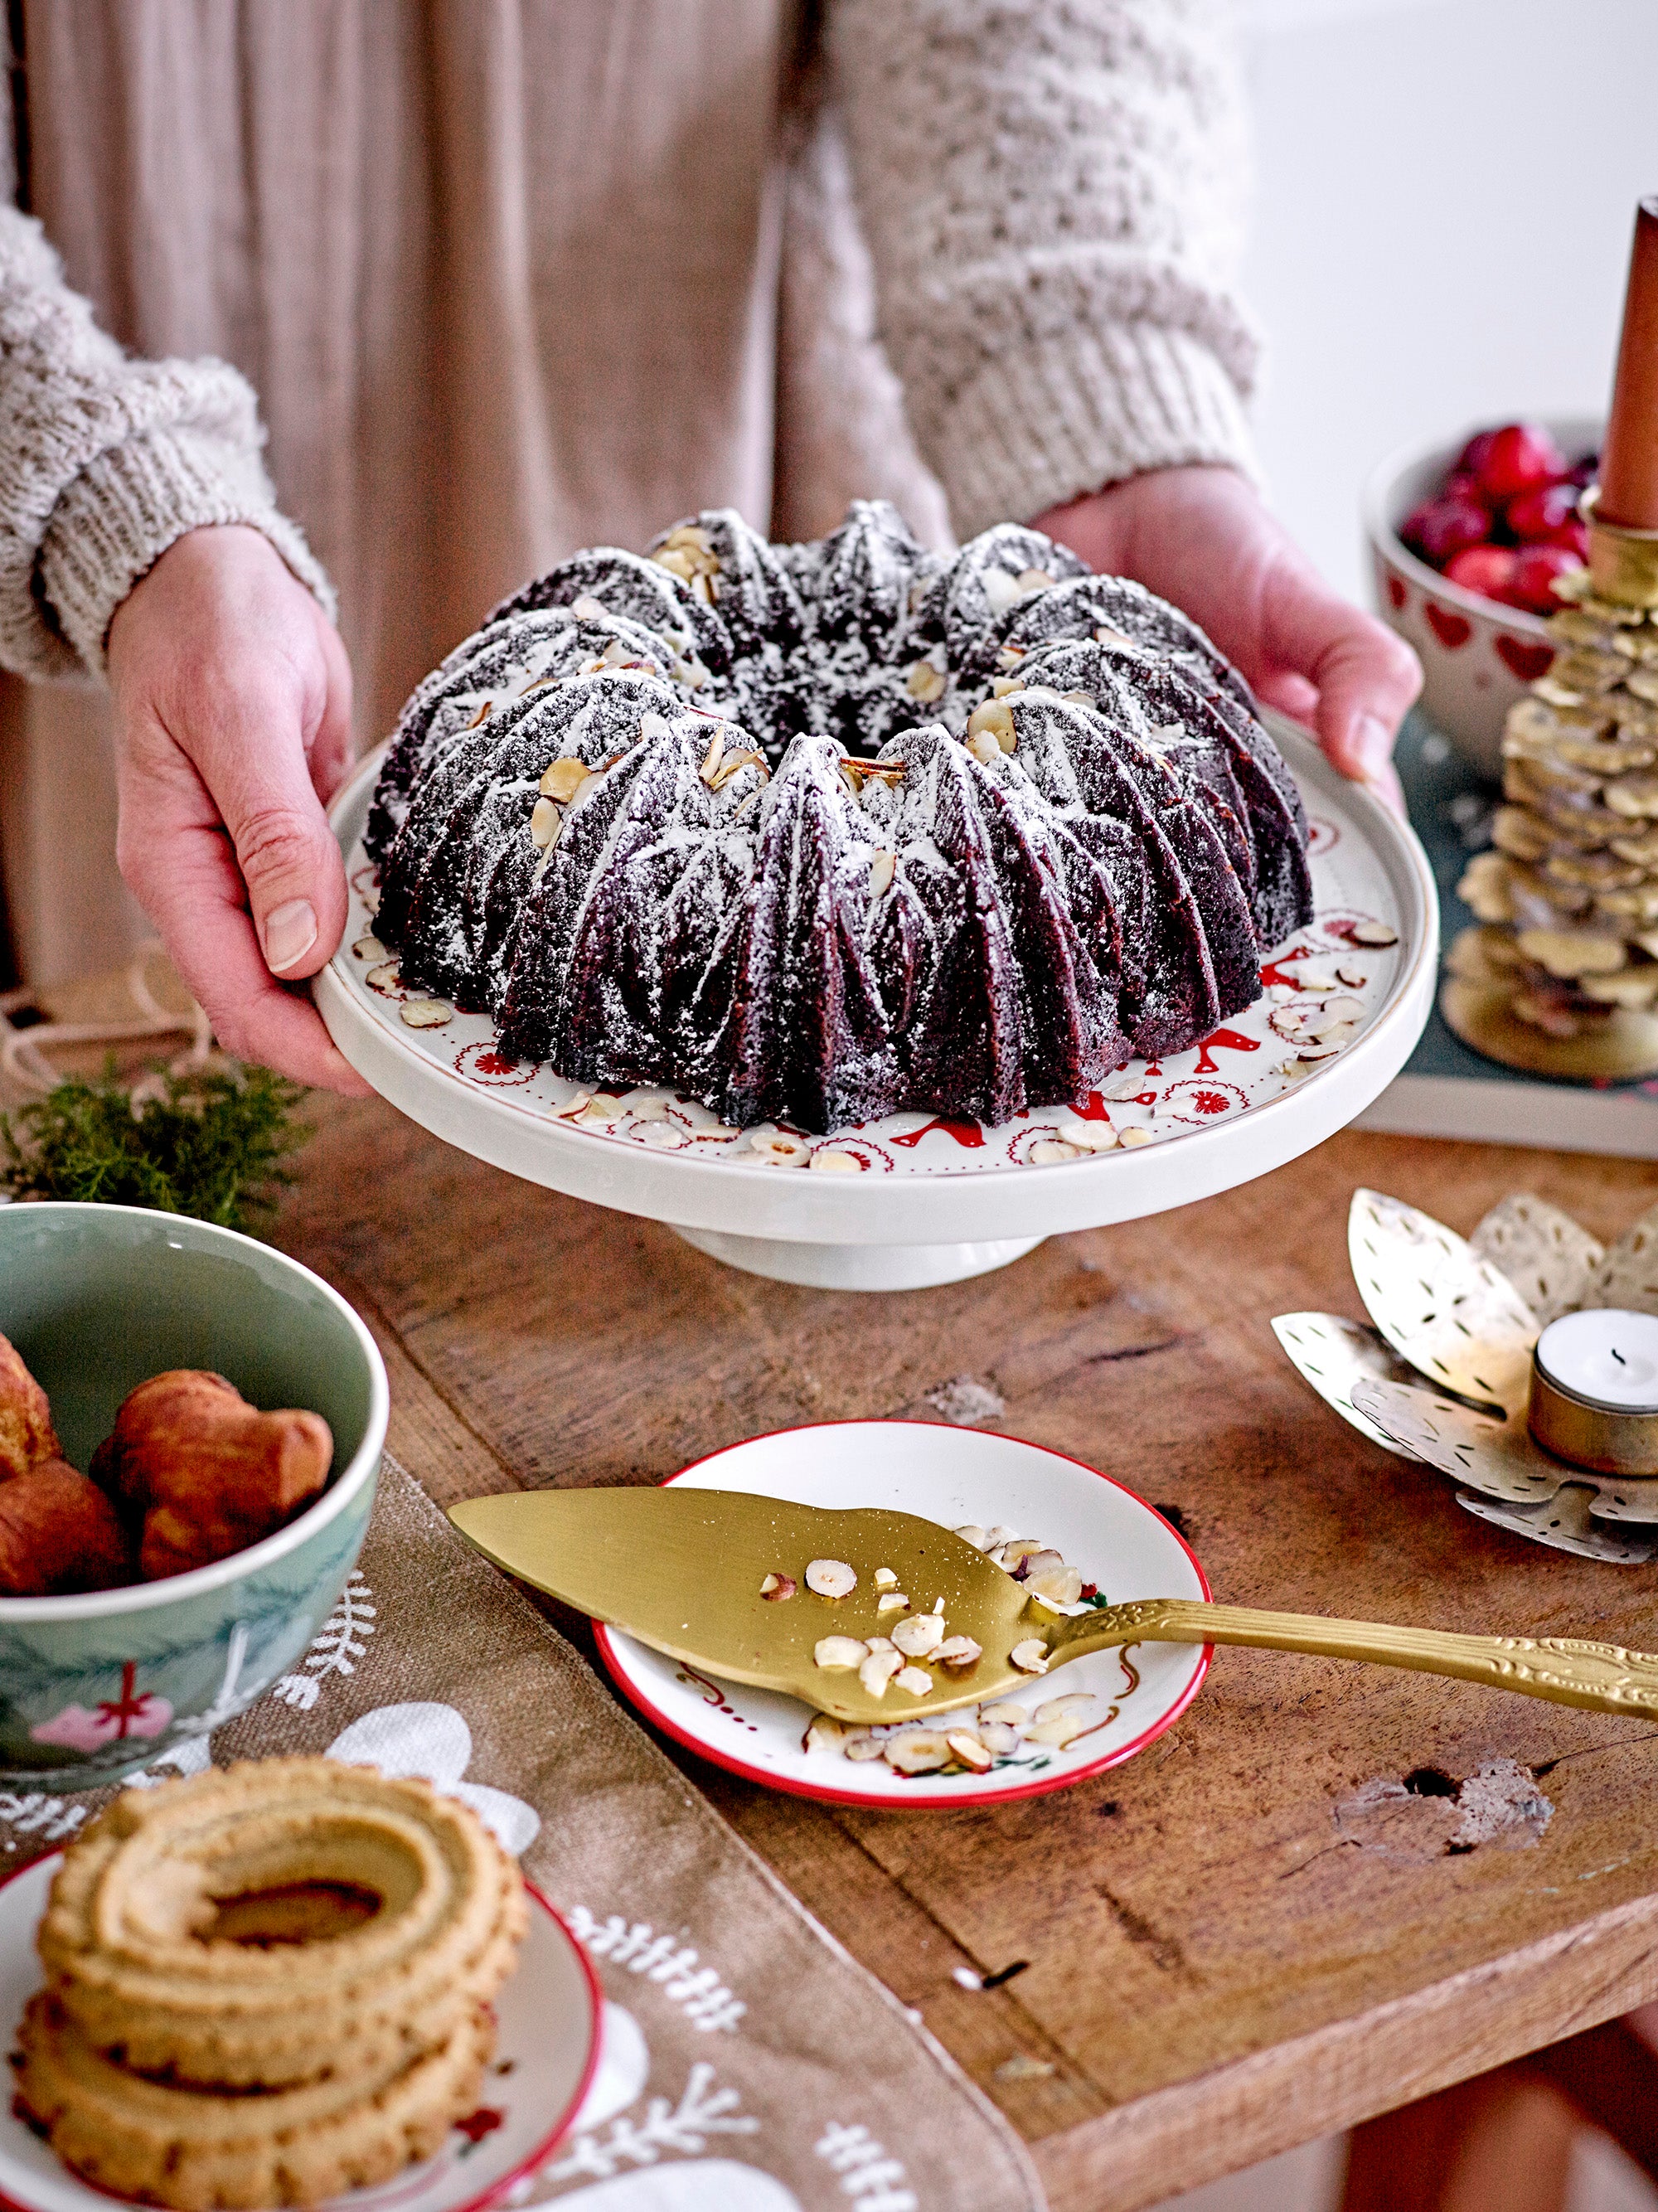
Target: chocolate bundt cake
(816, 833)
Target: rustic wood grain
(1234, 1942)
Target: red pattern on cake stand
(923, 1198)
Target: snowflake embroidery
(707, 2002)
(865, 2171)
(701, 2111)
(51, 1819)
(338, 1646)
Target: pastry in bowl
(217, 1564)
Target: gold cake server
(682, 1570)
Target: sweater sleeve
(104, 461)
(1052, 191)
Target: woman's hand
(233, 708)
(1202, 538)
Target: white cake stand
(916, 1202)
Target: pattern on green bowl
(97, 1299)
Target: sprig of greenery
(214, 1147)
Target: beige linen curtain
(510, 276)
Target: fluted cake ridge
(818, 833)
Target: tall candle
(1629, 459)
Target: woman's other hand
(233, 708)
(1203, 537)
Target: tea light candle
(1595, 1391)
(1606, 1356)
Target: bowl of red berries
(1467, 541)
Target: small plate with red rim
(951, 1475)
(545, 2055)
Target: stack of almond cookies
(267, 1984)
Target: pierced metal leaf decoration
(1332, 1354)
(1496, 1457)
(1549, 1259)
(1621, 1497)
(1464, 1315)
(1563, 1521)
(1628, 1277)
(1456, 1318)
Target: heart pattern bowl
(97, 1298)
(1477, 656)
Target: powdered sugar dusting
(772, 828)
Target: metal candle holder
(1463, 1317)
(1623, 562)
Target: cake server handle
(1603, 1677)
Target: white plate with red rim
(952, 1476)
(546, 2054)
(916, 1200)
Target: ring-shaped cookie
(197, 2149)
(131, 1955)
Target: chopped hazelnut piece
(831, 1578)
(922, 1634)
(919, 1751)
(970, 1752)
(563, 779)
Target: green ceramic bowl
(97, 1298)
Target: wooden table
(1238, 1942)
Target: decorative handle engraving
(1603, 1677)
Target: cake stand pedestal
(938, 1201)
(859, 1266)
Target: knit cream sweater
(513, 275)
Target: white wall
(1444, 195)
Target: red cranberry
(1471, 461)
(1535, 516)
(1443, 527)
(1460, 484)
(1521, 455)
(1487, 569)
(1535, 568)
(1584, 472)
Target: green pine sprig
(214, 1147)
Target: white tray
(936, 1202)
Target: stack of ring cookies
(267, 1984)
